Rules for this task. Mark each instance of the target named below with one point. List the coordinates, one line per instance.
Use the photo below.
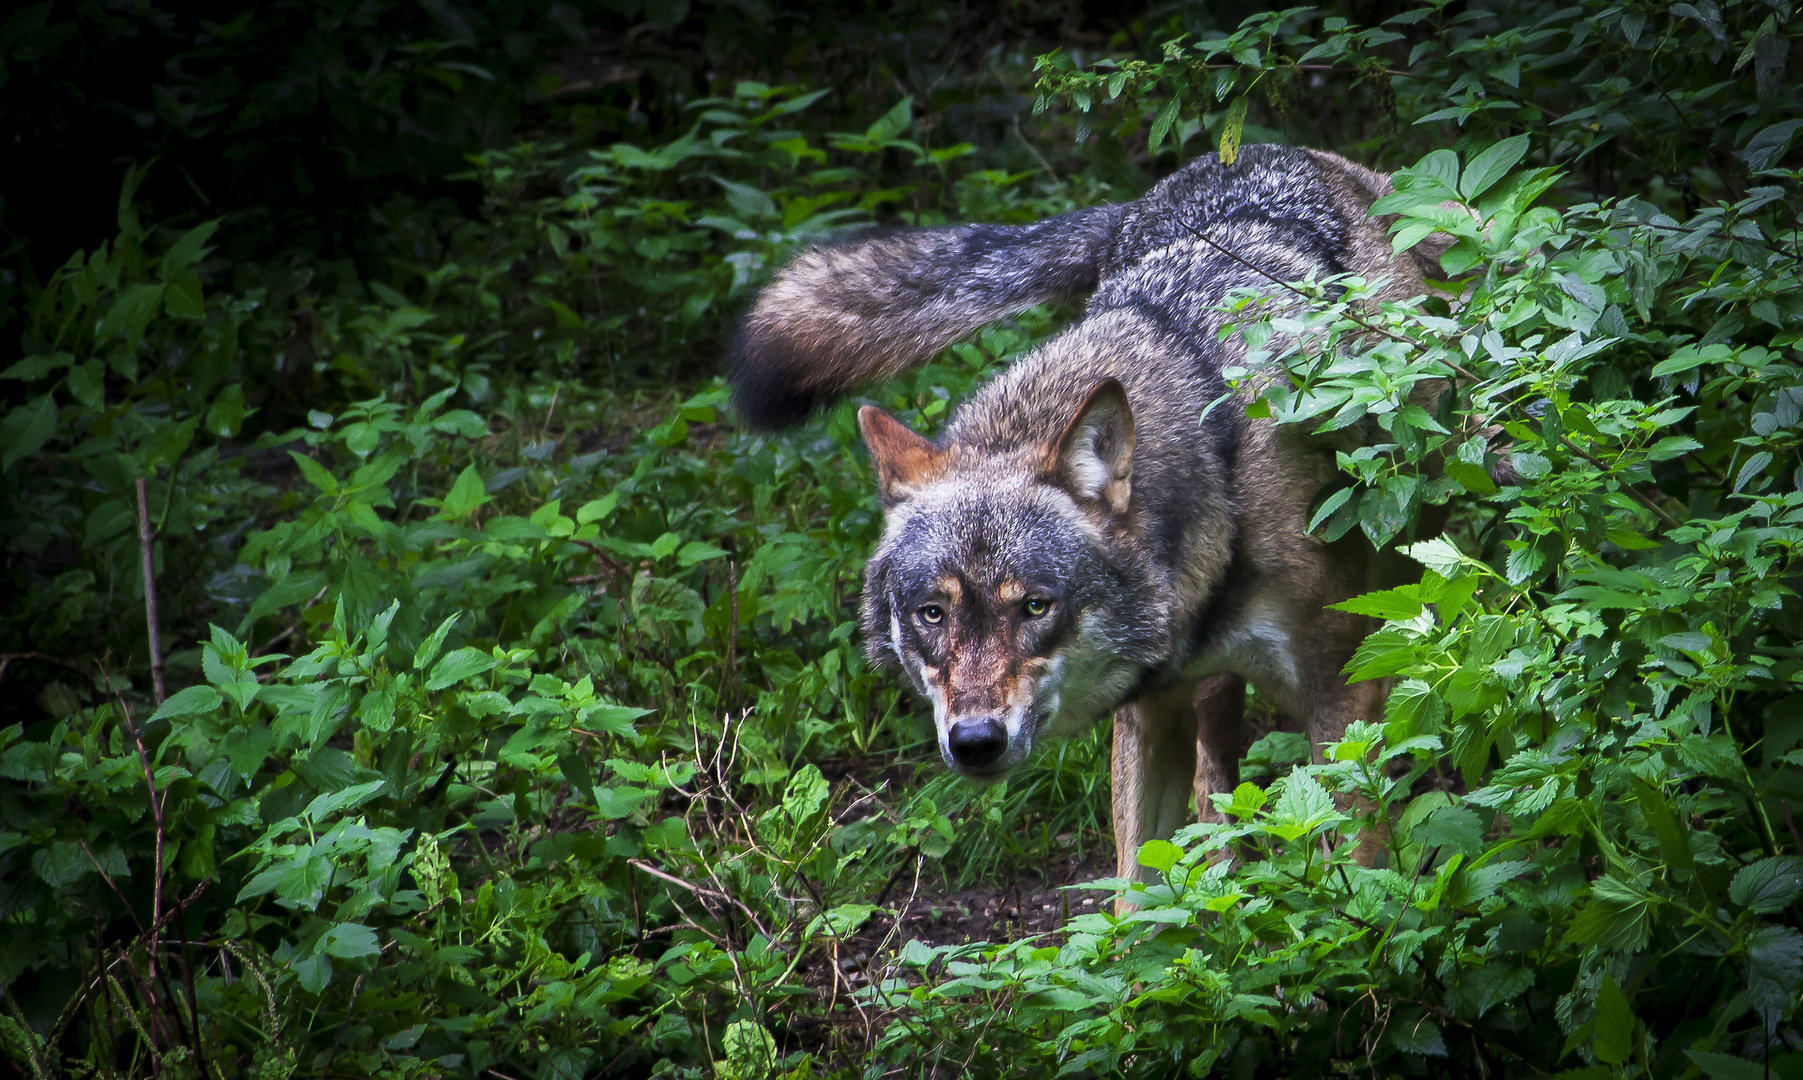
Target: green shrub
(515, 721)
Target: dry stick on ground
(6, 660)
(147, 549)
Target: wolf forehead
(985, 536)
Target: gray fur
(1172, 555)
(845, 314)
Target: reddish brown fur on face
(985, 668)
(981, 674)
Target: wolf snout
(977, 743)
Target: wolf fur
(1076, 543)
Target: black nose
(979, 743)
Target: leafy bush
(513, 719)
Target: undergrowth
(413, 670)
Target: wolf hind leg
(1327, 723)
(1220, 729)
(1154, 768)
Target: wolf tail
(841, 315)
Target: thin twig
(156, 809)
(147, 549)
(1267, 275)
(1630, 488)
(701, 891)
(7, 658)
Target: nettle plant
(1589, 759)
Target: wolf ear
(904, 459)
(1093, 458)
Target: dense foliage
(510, 718)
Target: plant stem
(147, 550)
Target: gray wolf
(1076, 543)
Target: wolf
(1087, 537)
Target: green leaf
(1530, 465)
(806, 794)
(1159, 855)
(87, 382)
(465, 663)
(1674, 841)
(1727, 1066)
(1768, 885)
(1230, 131)
(844, 920)
(428, 649)
(1331, 504)
(36, 367)
(299, 586)
(61, 863)
(349, 798)
(1691, 356)
(465, 496)
(1672, 446)
(614, 803)
(1304, 801)
(1492, 165)
(1774, 968)
(1393, 604)
(598, 509)
(26, 429)
(130, 315)
(696, 551)
(1713, 755)
(1161, 125)
(1613, 1043)
(1440, 555)
(347, 941)
(189, 250)
(195, 699)
(1472, 478)
(317, 475)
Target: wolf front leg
(1154, 768)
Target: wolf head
(1008, 585)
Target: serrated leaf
(1393, 604)
(1768, 885)
(465, 663)
(1472, 478)
(1440, 555)
(1159, 855)
(428, 649)
(1614, 1038)
(1230, 131)
(316, 474)
(195, 699)
(1304, 801)
(465, 496)
(26, 429)
(1161, 125)
(347, 941)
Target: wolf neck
(1154, 324)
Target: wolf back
(1076, 542)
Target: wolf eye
(1036, 606)
(932, 614)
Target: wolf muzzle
(977, 743)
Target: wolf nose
(977, 744)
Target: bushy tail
(842, 315)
